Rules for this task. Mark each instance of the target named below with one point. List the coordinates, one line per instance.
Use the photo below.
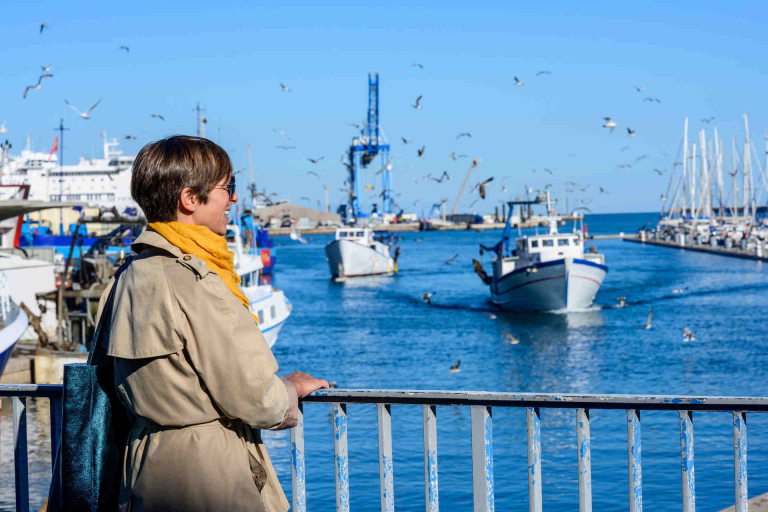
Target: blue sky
(702, 60)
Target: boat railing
(481, 406)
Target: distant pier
(719, 250)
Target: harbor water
(378, 333)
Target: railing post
(55, 407)
(298, 475)
(635, 462)
(430, 458)
(386, 471)
(740, 459)
(20, 453)
(686, 461)
(583, 448)
(482, 458)
(534, 459)
(340, 452)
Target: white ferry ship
(547, 272)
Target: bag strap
(97, 356)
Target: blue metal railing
(481, 415)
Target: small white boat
(356, 253)
(269, 304)
(13, 322)
(548, 272)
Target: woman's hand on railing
(305, 383)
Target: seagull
(443, 177)
(416, 64)
(659, 171)
(639, 89)
(415, 202)
(511, 338)
(549, 171)
(386, 166)
(284, 88)
(417, 106)
(624, 148)
(624, 166)
(130, 137)
(427, 297)
(316, 175)
(518, 82)
(603, 191)
(630, 132)
(315, 160)
(475, 162)
(481, 187)
(490, 315)
(657, 100)
(406, 141)
(158, 116)
(465, 134)
(679, 290)
(305, 198)
(46, 68)
(286, 147)
(609, 124)
(295, 235)
(688, 335)
(544, 73)
(42, 27)
(640, 158)
(3, 129)
(648, 324)
(38, 85)
(663, 198)
(455, 368)
(708, 120)
(622, 302)
(421, 151)
(127, 50)
(87, 114)
(448, 262)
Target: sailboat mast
(693, 179)
(685, 169)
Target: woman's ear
(188, 201)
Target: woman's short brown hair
(164, 168)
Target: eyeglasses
(229, 186)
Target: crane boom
(463, 186)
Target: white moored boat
(267, 303)
(356, 253)
(548, 272)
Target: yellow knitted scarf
(209, 247)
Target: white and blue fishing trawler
(356, 252)
(549, 272)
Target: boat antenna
(201, 121)
(61, 131)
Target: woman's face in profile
(215, 213)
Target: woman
(191, 365)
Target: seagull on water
(455, 368)
(427, 297)
(85, 115)
(609, 124)
(622, 302)
(688, 335)
(417, 105)
(448, 262)
(648, 324)
(511, 339)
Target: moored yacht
(548, 272)
(356, 252)
(269, 304)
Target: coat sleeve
(231, 356)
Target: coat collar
(149, 239)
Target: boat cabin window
(547, 243)
(261, 316)
(563, 242)
(342, 234)
(360, 234)
(272, 312)
(534, 243)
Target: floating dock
(719, 250)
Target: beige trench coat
(197, 376)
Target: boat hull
(271, 307)
(352, 259)
(11, 332)
(566, 284)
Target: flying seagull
(640, 158)
(38, 85)
(465, 134)
(316, 175)
(127, 50)
(315, 160)
(417, 106)
(603, 191)
(87, 114)
(406, 141)
(285, 147)
(639, 89)
(609, 124)
(481, 186)
(708, 120)
(421, 151)
(158, 116)
(455, 368)
(475, 162)
(659, 171)
(427, 297)
(548, 170)
(651, 100)
(544, 73)
(46, 68)
(518, 82)
(448, 262)
(443, 177)
(284, 88)
(416, 64)
(130, 137)
(42, 27)
(386, 166)
(630, 132)
(624, 148)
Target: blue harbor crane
(364, 150)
